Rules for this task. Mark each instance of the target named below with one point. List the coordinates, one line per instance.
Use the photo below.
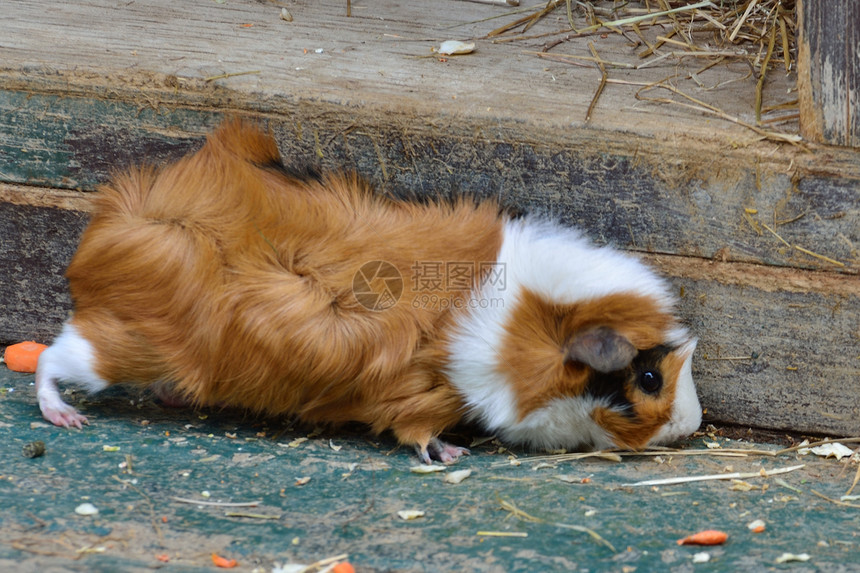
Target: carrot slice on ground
(343, 567)
(223, 562)
(707, 537)
(24, 356)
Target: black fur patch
(304, 173)
(612, 385)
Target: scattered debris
(343, 567)
(831, 450)
(502, 534)
(835, 501)
(733, 476)
(427, 469)
(740, 485)
(457, 476)
(86, 509)
(805, 445)
(410, 514)
(517, 512)
(33, 449)
(223, 562)
(90, 549)
(250, 515)
(216, 503)
(337, 564)
(761, 37)
(617, 456)
(789, 557)
(701, 557)
(231, 75)
(498, 2)
(573, 479)
(455, 48)
(286, 16)
(786, 485)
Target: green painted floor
(339, 492)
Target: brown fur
(535, 355)
(231, 280)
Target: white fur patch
(561, 423)
(686, 410)
(70, 359)
(559, 264)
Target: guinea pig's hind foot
(55, 410)
(70, 358)
(440, 451)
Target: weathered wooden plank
(76, 143)
(778, 348)
(37, 239)
(379, 57)
(828, 60)
(661, 199)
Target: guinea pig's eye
(650, 381)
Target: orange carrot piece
(223, 562)
(343, 567)
(24, 356)
(163, 557)
(707, 537)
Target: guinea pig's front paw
(440, 451)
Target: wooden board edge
(44, 197)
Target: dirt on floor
(173, 486)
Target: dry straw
(760, 34)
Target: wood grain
(829, 71)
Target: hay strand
(600, 86)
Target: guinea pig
(229, 279)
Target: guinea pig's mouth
(625, 429)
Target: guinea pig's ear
(601, 348)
